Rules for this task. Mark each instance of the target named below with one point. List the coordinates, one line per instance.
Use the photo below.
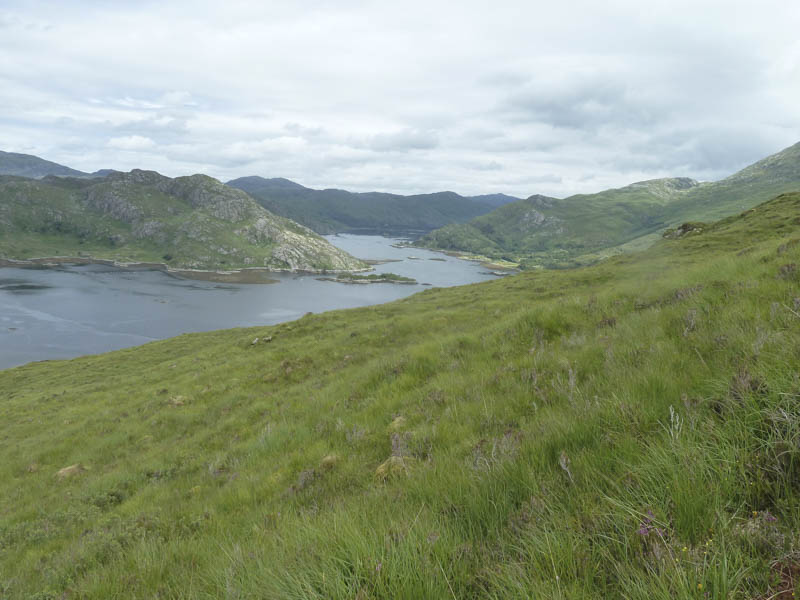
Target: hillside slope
(580, 229)
(624, 430)
(189, 222)
(27, 165)
(337, 211)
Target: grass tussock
(627, 430)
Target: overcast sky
(475, 97)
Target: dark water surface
(76, 310)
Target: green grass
(627, 430)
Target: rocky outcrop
(221, 201)
(298, 252)
(150, 229)
(666, 188)
(113, 202)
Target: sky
(476, 97)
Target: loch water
(70, 311)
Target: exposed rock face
(294, 250)
(113, 203)
(540, 201)
(221, 201)
(532, 219)
(149, 229)
(262, 231)
(668, 187)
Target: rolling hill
(338, 211)
(191, 222)
(541, 231)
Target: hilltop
(627, 429)
(192, 222)
(581, 229)
(27, 165)
(338, 211)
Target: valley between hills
(626, 427)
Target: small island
(371, 278)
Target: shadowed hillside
(337, 211)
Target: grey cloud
(492, 165)
(712, 151)
(403, 141)
(580, 104)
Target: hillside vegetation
(338, 211)
(581, 229)
(191, 222)
(627, 430)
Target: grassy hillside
(581, 229)
(624, 430)
(188, 222)
(336, 211)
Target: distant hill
(337, 211)
(27, 165)
(541, 231)
(188, 222)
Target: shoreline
(510, 268)
(258, 275)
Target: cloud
(522, 98)
(131, 142)
(404, 141)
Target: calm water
(71, 311)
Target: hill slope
(27, 165)
(337, 211)
(624, 430)
(585, 227)
(188, 222)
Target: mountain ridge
(583, 228)
(335, 210)
(190, 222)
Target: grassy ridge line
(547, 435)
(585, 228)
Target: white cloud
(131, 142)
(522, 97)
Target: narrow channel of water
(77, 310)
